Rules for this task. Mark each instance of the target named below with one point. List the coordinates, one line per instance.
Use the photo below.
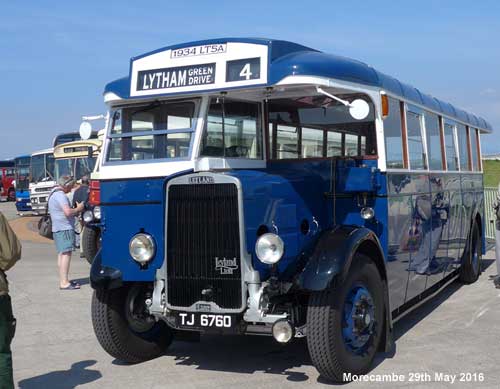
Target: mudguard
(331, 261)
(333, 255)
(104, 277)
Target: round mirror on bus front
(359, 109)
(85, 130)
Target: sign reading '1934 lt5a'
(228, 65)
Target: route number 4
(246, 72)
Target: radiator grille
(203, 245)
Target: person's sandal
(71, 287)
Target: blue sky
(56, 57)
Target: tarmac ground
(454, 336)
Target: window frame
(423, 136)
(271, 151)
(441, 141)
(260, 123)
(456, 124)
(443, 119)
(109, 136)
(477, 134)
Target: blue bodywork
(422, 219)
(288, 58)
(285, 198)
(23, 200)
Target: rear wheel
(471, 262)
(345, 322)
(123, 326)
(11, 195)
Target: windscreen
(64, 167)
(84, 166)
(149, 132)
(233, 130)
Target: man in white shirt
(63, 219)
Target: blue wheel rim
(358, 319)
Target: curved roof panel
(288, 59)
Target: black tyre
(345, 322)
(471, 261)
(11, 195)
(123, 327)
(90, 242)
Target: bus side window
(393, 136)
(476, 162)
(287, 142)
(451, 152)
(312, 142)
(334, 144)
(416, 151)
(318, 127)
(463, 152)
(433, 141)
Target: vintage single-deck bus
(42, 179)
(67, 137)
(7, 180)
(77, 158)
(258, 186)
(23, 163)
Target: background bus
(22, 166)
(7, 176)
(42, 179)
(69, 137)
(77, 158)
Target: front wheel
(124, 328)
(345, 322)
(11, 195)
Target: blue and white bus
(22, 165)
(42, 179)
(258, 186)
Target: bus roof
(44, 151)
(77, 149)
(283, 59)
(7, 163)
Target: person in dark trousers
(81, 195)
(10, 253)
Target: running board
(426, 295)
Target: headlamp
(142, 248)
(269, 248)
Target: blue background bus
(22, 165)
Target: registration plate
(205, 320)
